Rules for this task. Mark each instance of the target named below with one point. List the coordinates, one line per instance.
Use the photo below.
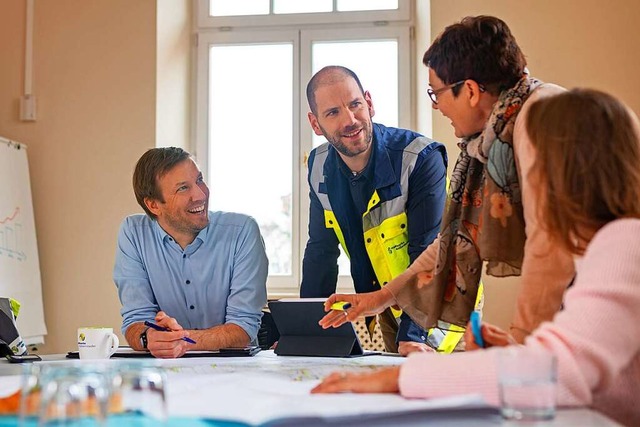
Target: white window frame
(204, 20)
(260, 29)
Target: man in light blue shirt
(197, 273)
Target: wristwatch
(143, 338)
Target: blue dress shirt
(219, 278)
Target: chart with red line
(20, 276)
(11, 235)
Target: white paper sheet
(269, 388)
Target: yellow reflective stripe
(455, 333)
(451, 339)
(331, 222)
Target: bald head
(329, 75)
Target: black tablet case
(300, 334)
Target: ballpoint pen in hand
(163, 329)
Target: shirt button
(353, 183)
(192, 307)
(184, 255)
(188, 282)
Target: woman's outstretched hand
(368, 304)
(382, 381)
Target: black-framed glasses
(433, 94)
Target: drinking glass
(527, 383)
(29, 394)
(139, 390)
(75, 395)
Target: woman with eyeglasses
(478, 80)
(587, 168)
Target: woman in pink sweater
(588, 166)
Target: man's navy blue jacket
(349, 195)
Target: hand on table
(382, 381)
(168, 344)
(407, 347)
(368, 304)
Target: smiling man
(197, 273)
(376, 190)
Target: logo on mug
(82, 337)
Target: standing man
(199, 274)
(377, 191)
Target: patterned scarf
(483, 220)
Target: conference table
(271, 390)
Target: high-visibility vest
(385, 231)
(444, 337)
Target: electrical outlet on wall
(28, 108)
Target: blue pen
(163, 329)
(476, 328)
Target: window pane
(302, 6)
(242, 7)
(349, 5)
(376, 65)
(251, 142)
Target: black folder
(129, 353)
(300, 334)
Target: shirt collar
(164, 236)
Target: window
(254, 59)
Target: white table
(264, 381)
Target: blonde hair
(587, 164)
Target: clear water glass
(29, 394)
(527, 384)
(74, 395)
(138, 388)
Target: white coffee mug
(97, 343)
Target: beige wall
(94, 68)
(572, 43)
(173, 73)
(98, 79)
